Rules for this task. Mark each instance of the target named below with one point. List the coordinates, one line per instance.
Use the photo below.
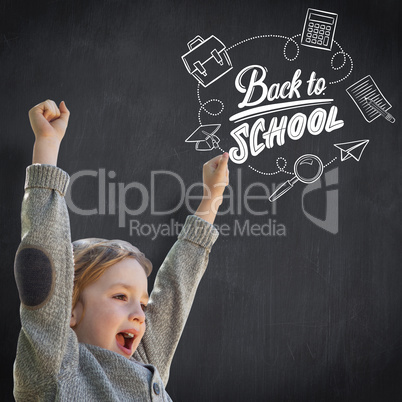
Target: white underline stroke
(260, 110)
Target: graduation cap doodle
(352, 149)
(205, 138)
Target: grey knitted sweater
(50, 363)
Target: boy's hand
(48, 121)
(49, 124)
(215, 177)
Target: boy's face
(114, 309)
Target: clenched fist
(215, 174)
(49, 124)
(49, 121)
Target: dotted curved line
(333, 160)
(297, 46)
(295, 36)
(272, 36)
(341, 52)
(210, 113)
(268, 174)
(198, 94)
(199, 116)
(347, 75)
(332, 61)
(281, 158)
(340, 47)
(207, 111)
(280, 169)
(344, 62)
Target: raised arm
(178, 277)
(43, 265)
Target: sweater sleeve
(44, 272)
(173, 294)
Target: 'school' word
(295, 127)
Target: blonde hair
(93, 256)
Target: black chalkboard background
(309, 316)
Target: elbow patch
(33, 273)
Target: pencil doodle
(369, 99)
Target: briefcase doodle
(207, 59)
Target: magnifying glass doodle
(308, 168)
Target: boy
(110, 342)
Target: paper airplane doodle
(352, 149)
(205, 138)
(319, 29)
(207, 59)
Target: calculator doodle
(319, 29)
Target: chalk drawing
(205, 138)
(352, 149)
(369, 99)
(319, 29)
(207, 59)
(313, 173)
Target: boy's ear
(73, 321)
(76, 314)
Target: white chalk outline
(208, 135)
(363, 104)
(288, 184)
(346, 150)
(331, 30)
(344, 62)
(219, 56)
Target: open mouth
(125, 341)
